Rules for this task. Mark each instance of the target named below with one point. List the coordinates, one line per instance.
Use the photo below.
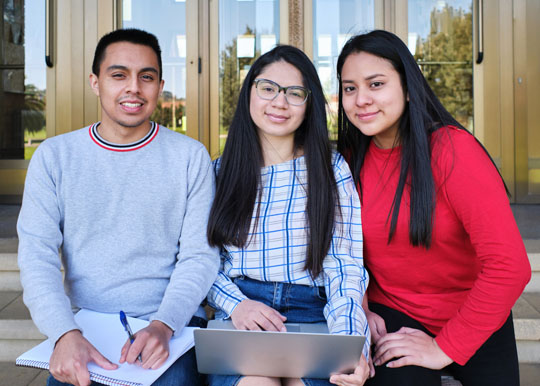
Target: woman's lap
(299, 303)
(233, 380)
(484, 368)
(223, 380)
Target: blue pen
(125, 323)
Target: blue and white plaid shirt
(276, 251)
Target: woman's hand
(377, 326)
(358, 378)
(411, 347)
(253, 315)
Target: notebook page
(107, 334)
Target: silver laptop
(304, 351)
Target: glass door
(334, 22)
(526, 97)
(167, 19)
(22, 89)
(441, 39)
(246, 29)
(23, 78)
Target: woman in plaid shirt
(286, 215)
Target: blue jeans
(182, 372)
(299, 303)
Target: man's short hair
(130, 35)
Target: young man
(127, 202)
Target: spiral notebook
(106, 333)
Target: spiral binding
(93, 376)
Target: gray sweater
(130, 223)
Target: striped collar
(123, 147)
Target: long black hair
(423, 115)
(239, 176)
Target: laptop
(304, 351)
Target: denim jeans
(299, 303)
(182, 372)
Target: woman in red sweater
(445, 257)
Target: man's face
(128, 86)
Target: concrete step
(526, 313)
(9, 272)
(17, 331)
(9, 244)
(9, 269)
(534, 284)
(533, 250)
(11, 375)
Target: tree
(163, 112)
(445, 58)
(33, 113)
(230, 79)
(230, 84)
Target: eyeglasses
(295, 95)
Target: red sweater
(463, 287)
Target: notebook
(107, 334)
(309, 352)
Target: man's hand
(358, 378)
(253, 315)
(152, 343)
(412, 347)
(70, 357)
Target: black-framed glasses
(269, 90)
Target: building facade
(480, 56)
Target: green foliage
(33, 113)
(445, 58)
(231, 68)
(163, 115)
(230, 84)
(29, 151)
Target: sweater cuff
(55, 335)
(451, 351)
(175, 323)
(165, 323)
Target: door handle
(49, 32)
(479, 31)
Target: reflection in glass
(171, 34)
(335, 21)
(529, 86)
(247, 29)
(440, 38)
(22, 78)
